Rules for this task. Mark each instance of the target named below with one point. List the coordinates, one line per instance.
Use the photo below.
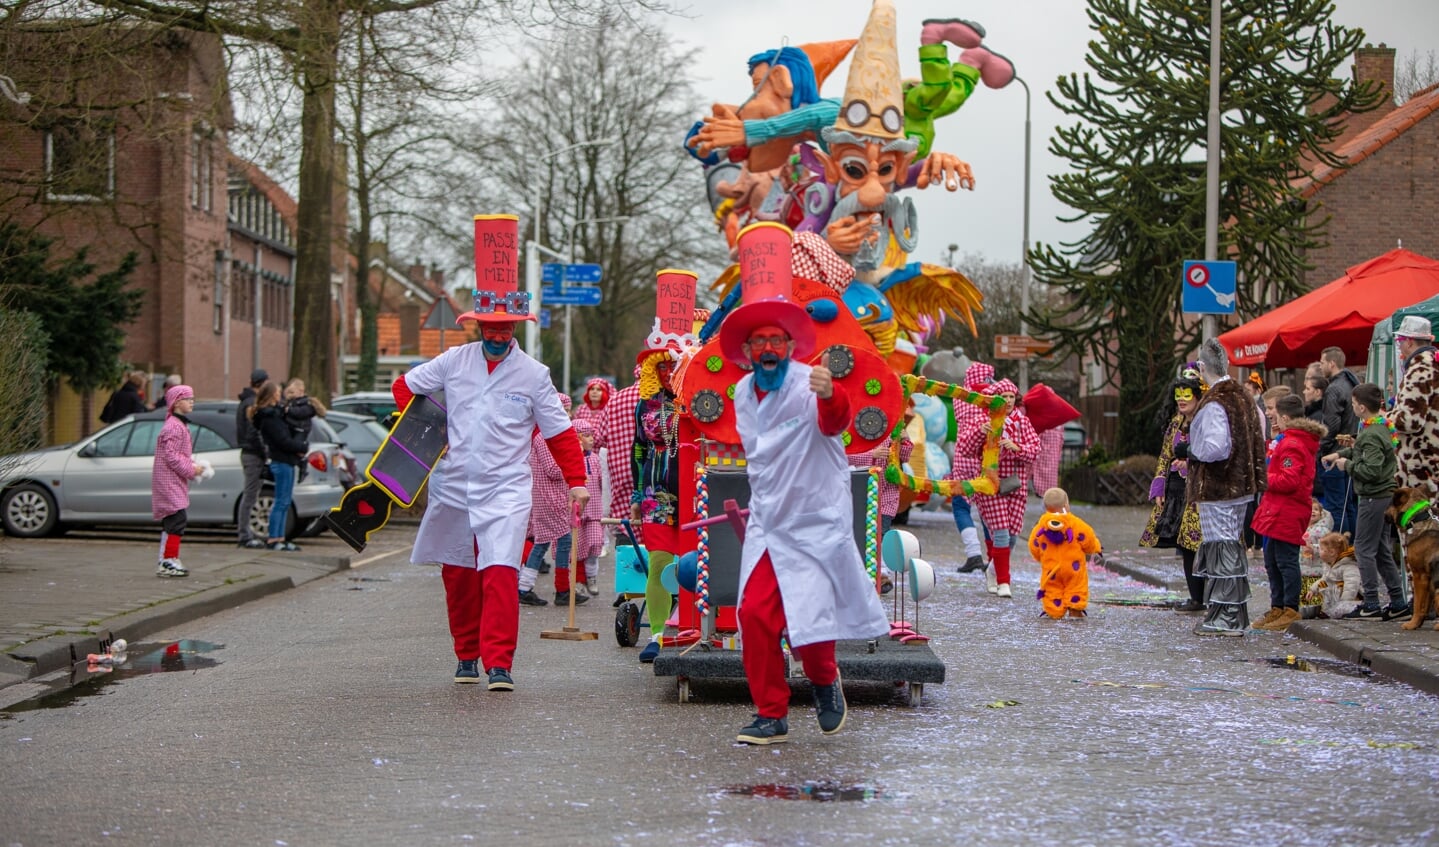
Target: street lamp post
(569, 310)
(1024, 258)
(534, 248)
(1211, 164)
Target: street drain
(1304, 665)
(144, 659)
(819, 792)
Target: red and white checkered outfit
(976, 378)
(1004, 513)
(594, 414)
(813, 259)
(1046, 464)
(617, 435)
(878, 458)
(591, 538)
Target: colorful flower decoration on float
(988, 480)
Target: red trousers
(761, 620)
(484, 607)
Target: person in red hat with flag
(495, 396)
(800, 569)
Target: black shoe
(468, 671)
(1365, 613)
(562, 598)
(530, 598)
(252, 544)
(1392, 614)
(764, 731)
(1190, 605)
(544, 566)
(500, 680)
(973, 563)
(619, 601)
(829, 706)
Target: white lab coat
(800, 512)
(479, 501)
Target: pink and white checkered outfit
(550, 497)
(1004, 511)
(591, 538)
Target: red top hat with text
(767, 292)
(497, 295)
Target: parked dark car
(1076, 442)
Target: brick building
(121, 148)
(415, 321)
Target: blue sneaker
(500, 680)
(648, 654)
(468, 671)
(830, 707)
(764, 731)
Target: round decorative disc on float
(706, 388)
(874, 393)
(921, 579)
(898, 547)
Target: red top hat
(767, 289)
(497, 295)
(673, 330)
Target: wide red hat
(767, 289)
(497, 295)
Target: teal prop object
(687, 571)
(669, 580)
(898, 548)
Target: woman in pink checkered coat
(550, 518)
(593, 401)
(1004, 513)
(591, 539)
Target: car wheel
(260, 517)
(29, 511)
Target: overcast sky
(1044, 38)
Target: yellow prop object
(988, 480)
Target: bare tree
(619, 81)
(1415, 73)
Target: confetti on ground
(1102, 684)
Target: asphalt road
(326, 715)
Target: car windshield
(359, 433)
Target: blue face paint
(496, 348)
(766, 379)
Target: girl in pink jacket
(170, 479)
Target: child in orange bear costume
(1062, 544)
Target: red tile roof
(1372, 139)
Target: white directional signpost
(570, 285)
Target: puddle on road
(142, 660)
(1308, 665)
(819, 792)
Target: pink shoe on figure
(995, 70)
(960, 33)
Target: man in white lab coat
(479, 504)
(800, 569)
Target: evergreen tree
(1137, 174)
(83, 322)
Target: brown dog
(1420, 532)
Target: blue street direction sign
(544, 319)
(1209, 287)
(552, 273)
(583, 274)
(580, 296)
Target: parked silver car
(105, 479)
(361, 434)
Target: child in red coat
(1283, 513)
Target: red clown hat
(767, 289)
(674, 327)
(497, 295)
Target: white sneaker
(171, 567)
(1004, 591)
(991, 583)
(593, 587)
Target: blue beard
(770, 380)
(496, 348)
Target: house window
(80, 160)
(202, 169)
